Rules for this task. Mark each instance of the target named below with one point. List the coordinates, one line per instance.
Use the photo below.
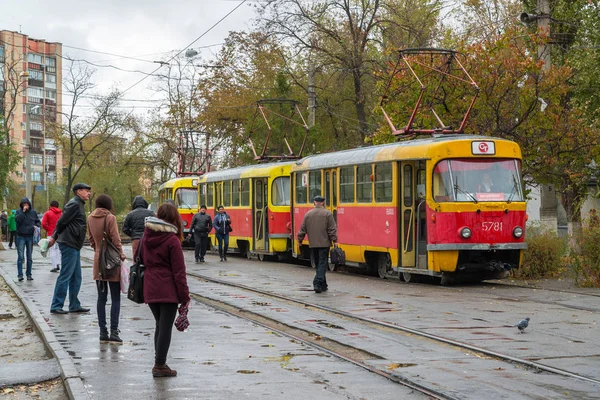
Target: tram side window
(314, 184)
(209, 195)
(408, 185)
(383, 183)
(442, 184)
(347, 185)
(235, 192)
(245, 192)
(280, 191)
(364, 185)
(227, 193)
(301, 188)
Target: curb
(69, 374)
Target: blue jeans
(22, 243)
(68, 279)
(223, 244)
(320, 255)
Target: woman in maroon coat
(165, 284)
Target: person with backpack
(27, 220)
(101, 220)
(133, 226)
(201, 226)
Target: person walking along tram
(133, 226)
(102, 220)
(201, 225)
(70, 234)
(320, 226)
(222, 224)
(49, 224)
(165, 283)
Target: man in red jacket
(49, 224)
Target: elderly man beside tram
(321, 229)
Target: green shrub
(585, 260)
(544, 257)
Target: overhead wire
(189, 45)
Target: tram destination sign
(483, 147)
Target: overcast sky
(145, 29)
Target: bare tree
(84, 136)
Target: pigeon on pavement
(524, 323)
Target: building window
(35, 58)
(51, 160)
(51, 177)
(36, 176)
(35, 92)
(51, 62)
(36, 74)
(37, 159)
(36, 126)
(51, 94)
(50, 144)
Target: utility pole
(312, 96)
(548, 200)
(28, 154)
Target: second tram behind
(184, 192)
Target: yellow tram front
(183, 192)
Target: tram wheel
(261, 257)
(408, 277)
(447, 280)
(384, 264)
(248, 254)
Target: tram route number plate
(491, 226)
(487, 147)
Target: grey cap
(319, 199)
(80, 186)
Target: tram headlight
(184, 224)
(518, 232)
(465, 233)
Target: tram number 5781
(492, 226)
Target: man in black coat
(201, 226)
(133, 226)
(70, 232)
(27, 219)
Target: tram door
(260, 206)
(421, 232)
(331, 192)
(407, 214)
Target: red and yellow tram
(183, 192)
(257, 198)
(444, 206)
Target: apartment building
(30, 88)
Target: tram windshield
(186, 198)
(475, 180)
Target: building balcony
(35, 100)
(36, 133)
(35, 82)
(50, 102)
(36, 150)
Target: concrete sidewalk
(219, 357)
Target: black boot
(104, 335)
(221, 253)
(114, 337)
(225, 253)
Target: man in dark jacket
(27, 219)
(70, 234)
(201, 226)
(320, 226)
(133, 226)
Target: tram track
(529, 365)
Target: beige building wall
(31, 78)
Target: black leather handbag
(338, 256)
(135, 292)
